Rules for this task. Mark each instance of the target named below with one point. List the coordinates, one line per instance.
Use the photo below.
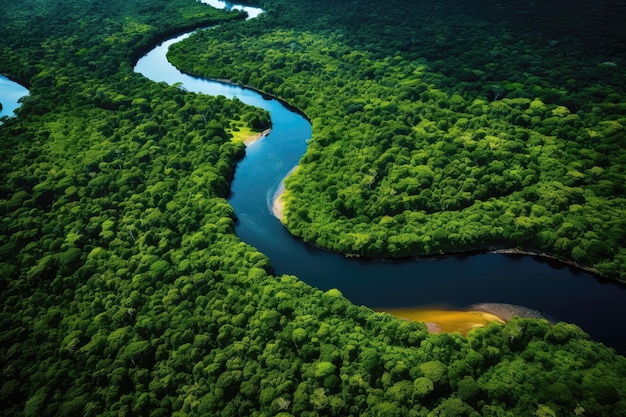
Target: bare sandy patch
(278, 202)
(250, 140)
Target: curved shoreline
(439, 320)
(278, 206)
(278, 202)
(507, 312)
(262, 93)
(16, 80)
(356, 269)
(544, 255)
(12, 91)
(249, 141)
(278, 210)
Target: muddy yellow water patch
(446, 320)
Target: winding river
(452, 282)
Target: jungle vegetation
(445, 126)
(126, 292)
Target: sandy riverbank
(478, 315)
(278, 206)
(507, 311)
(250, 140)
(278, 201)
(438, 321)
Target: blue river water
(10, 93)
(455, 281)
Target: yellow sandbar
(247, 135)
(446, 320)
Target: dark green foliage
(126, 292)
(438, 131)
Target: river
(555, 290)
(10, 93)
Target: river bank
(438, 320)
(249, 140)
(515, 251)
(278, 210)
(453, 279)
(278, 201)
(11, 91)
(278, 207)
(449, 321)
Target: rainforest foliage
(445, 126)
(126, 292)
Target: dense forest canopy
(446, 126)
(125, 290)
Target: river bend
(452, 281)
